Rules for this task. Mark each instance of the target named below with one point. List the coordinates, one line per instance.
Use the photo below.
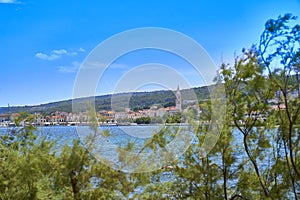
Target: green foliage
(143, 120)
(175, 118)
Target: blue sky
(43, 42)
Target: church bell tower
(178, 99)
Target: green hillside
(138, 100)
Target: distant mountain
(138, 100)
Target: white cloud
(81, 49)
(74, 67)
(9, 1)
(57, 53)
(47, 57)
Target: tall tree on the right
(279, 52)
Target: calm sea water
(105, 148)
(118, 136)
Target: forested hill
(138, 100)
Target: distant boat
(47, 124)
(11, 124)
(72, 123)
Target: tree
(143, 120)
(247, 91)
(280, 54)
(25, 162)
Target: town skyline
(155, 113)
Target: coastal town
(155, 114)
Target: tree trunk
(74, 183)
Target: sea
(110, 138)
